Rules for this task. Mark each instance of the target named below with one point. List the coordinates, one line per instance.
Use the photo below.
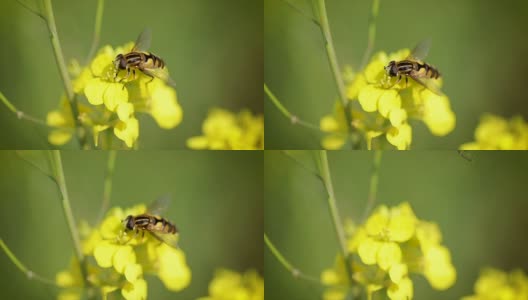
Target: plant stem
(23, 116)
(31, 10)
(59, 58)
(293, 118)
(334, 212)
(314, 172)
(97, 29)
(107, 191)
(334, 65)
(58, 172)
(301, 12)
(296, 273)
(30, 274)
(373, 187)
(371, 33)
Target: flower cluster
(386, 107)
(230, 285)
(392, 244)
(224, 130)
(496, 133)
(118, 262)
(109, 100)
(497, 285)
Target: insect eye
(122, 63)
(129, 223)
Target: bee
(139, 59)
(159, 227)
(413, 66)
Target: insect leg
(406, 80)
(398, 81)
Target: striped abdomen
(417, 69)
(143, 60)
(154, 223)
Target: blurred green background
(480, 207)
(213, 49)
(216, 204)
(479, 46)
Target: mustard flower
(381, 108)
(231, 285)
(119, 262)
(392, 244)
(224, 130)
(109, 102)
(495, 284)
(497, 133)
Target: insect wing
(160, 73)
(421, 50)
(167, 238)
(159, 206)
(143, 41)
(429, 84)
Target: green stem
(107, 191)
(373, 187)
(300, 163)
(97, 29)
(334, 65)
(371, 33)
(301, 12)
(23, 116)
(293, 118)
(334, 212)
(63, 71)
(31, 10)
(30, 274)
(56, 164)
(296, 273)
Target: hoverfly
(139, 59)
(160, 228)
(413, 66)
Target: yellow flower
(386, 108)
(116, 261)
(230, 285)
(385, 250)
(402, 290)
(62, 118)
(495, 284)
(497, 133)
(336, 126)
(224, 130)
(438, 268)
(110, 100)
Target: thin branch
(373, 187)
(29, 274)
(107, 191)
(296, 273)
(334, 212)
(63, 71)
(20, 154)
(31, 10)
(303, 165)
(97, 29)
(334, 65)
(301, 12)
(56, 164)
(293, 118)
(371, 33)
(23, 116)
